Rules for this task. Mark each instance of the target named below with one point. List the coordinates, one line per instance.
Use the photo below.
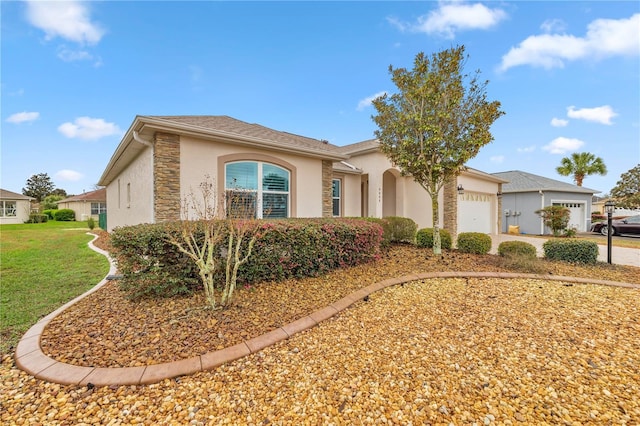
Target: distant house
(14, 207)
(525, 193)
(86, 205)
(163, 159)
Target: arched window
(256, 189)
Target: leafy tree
(61, 192)
(436, 122)
(38, 186)
(580, 165)
(555, 217)
(50, 202)
(627, 189)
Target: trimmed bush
(64, 215)
(37, 218)
(49, 213)
(386, 229)
(291, 248)
(401, 229)
(516, 248)
(474, 242)
(424, 238)
(91, 223)
(571, 250)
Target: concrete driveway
(619, 255)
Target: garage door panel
(474, 213)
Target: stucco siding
(130, 195)
(202, 158)
(23, 209)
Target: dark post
(609, 208)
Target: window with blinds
(256, 189)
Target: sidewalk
(619, 255)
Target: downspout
(541, 207)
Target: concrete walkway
(619, 255)
(30, 358)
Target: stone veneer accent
(327, 188)
(166, 177)
(450, 208)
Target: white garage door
(576, 218)
(474, 213)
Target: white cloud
(68, 175)
(88, 128)
(602, 115)
(553, 26)
(604, 37)
(530, 148)
(563, 145)
(559, 122)
(451, 17)
(497, 159)
(71, 55)
(70, 20)
(364, 103)
(22, 117)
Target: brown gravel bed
(446, 351)
(106, 330)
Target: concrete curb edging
(30, 358)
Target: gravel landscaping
(441, 351)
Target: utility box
(514, 229)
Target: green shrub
(424, 238)
(474, 242)
(64, 215)
(401, 229)
(290, 248)
(91, 223)
(37, 218)
(49, 213)
(386, 229)
(571, 250)
(519, 248)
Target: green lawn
(42, 266)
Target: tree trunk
(435, 216)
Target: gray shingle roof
(357, 147)
(520, 181)
(231, 125)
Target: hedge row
(292, 248)
(571, 250)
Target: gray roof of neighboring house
(99, 195)
(9, 195)
(519, 181)
(360, 147)
(231, 125)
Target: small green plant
(424, 238)
(571, 250)
(91, 223)
(569, 233)
(520, 262)
(401, 229)
(37, 218)
(517, 248)
(474, 242)
(64, 215)
(555, 217)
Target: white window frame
(260, 192)
(9, 211)
(338, 198)
(100, 208)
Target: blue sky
(75, 74)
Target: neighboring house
(525, 193)
(162, 160)
(86, 205)
(14, 207)
(597, 207)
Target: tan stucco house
(87, 204)
(161, 160)
(14, 207)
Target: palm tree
(580, 165)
